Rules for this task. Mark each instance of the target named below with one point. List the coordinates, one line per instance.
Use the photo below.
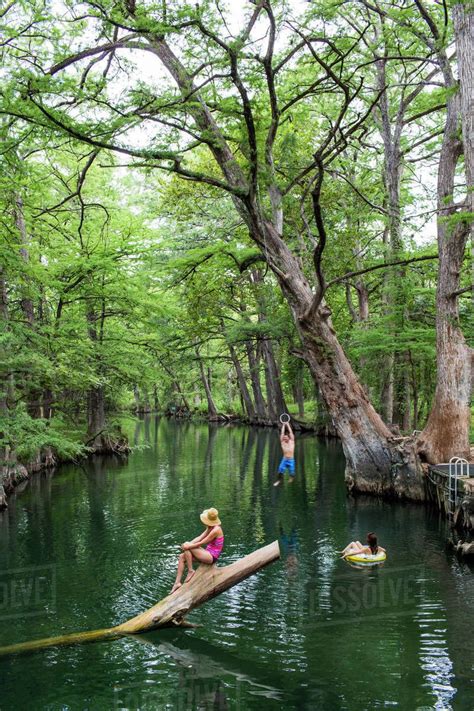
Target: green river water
(93, 545)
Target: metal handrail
(456, 467)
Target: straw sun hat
(210, 517)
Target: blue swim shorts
(287, 464)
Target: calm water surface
(94, 545)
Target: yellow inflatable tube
(367, 557)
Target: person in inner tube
(356, 547)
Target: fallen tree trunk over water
(207, 582)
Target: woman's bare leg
(189, 564)
(347, 548)
(201, 556)
(179, 572)
(353, 547)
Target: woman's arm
(207, 539)
(364, 549)
(199, 538)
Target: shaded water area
(95, 544)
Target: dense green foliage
(133, 278)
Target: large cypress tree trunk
(244, 391)
(254, 368)
(374, 462)
(47, 403)
(26, 301)
(34, 394)
(395, 384)
(275, 398)
(96, 423)
(299, 390)
(447, 431)
(211, 407)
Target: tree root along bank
(12, 474)
(207, 583)
(320, 429)
(402, 478)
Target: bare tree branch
(386, 265)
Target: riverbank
(15, 473)
(321, 429)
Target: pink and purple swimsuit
(215, 548)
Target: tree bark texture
(299, 390)
(275, 399)
(254, 369)
(11, 472)
(244, 391)
(393, 396)
(26, 301)
(34, 394)
(211, 407)
(96, 423)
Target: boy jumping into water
(287, 441)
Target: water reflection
(289, 549)
(308, 632)
(202, 660)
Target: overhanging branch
(386, 265)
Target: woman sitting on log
(213, 536)
(356, 547)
